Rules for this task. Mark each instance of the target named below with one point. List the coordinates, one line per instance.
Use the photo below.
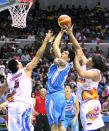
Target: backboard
(5, 4)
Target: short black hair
(12, 65)
(99, 62)
(71, 54)
(68, 84)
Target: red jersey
(40, 105)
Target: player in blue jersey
(55, 98)
(71, 109)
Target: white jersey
(21, 84)
(88, 85)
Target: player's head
(14, 65)
(68, 55)
(97, 61)
(68, 88)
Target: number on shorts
(16, 84)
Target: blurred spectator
(105, 105)
(107, 85)
(104, 95)
(16, 56)
(37, 88)
(97, 51)
(25, 56)
(99, 6)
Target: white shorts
(19, 117)
(90, 115)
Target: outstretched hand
(68, 29)
(49, 35)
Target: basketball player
(55, 98)
(87, 83)
(20, 84)
(71, 109)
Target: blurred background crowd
(91, 25)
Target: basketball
(64, 20)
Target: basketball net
(19, 13)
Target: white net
(19, 14)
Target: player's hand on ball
(68, 29)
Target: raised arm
(57, 43)
(75, 43)
(30, 66)
(77, 111)
(94, 75)
(4, 88)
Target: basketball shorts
(19, 117)
(90, 115)
(55, 106)
(69, 121)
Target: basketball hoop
(19, 13)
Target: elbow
(81, 74)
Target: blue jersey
(57, 78)
(70, 108)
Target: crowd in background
(90, 25)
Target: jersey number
(16, 84)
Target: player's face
(67, 89)
(19, 64)
(65, 55)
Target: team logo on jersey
(93, 113)
(90, 94)
(81, 80)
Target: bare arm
(77, 111)
(35, 112)
(4, 88)
(92, 74)
(75, 43)
(77, 108)
(30, 66)
(57, 43)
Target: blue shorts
(68, 122)
(55, 106)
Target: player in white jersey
(20, 84)
(87, 83)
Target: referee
(40, 111)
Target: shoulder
(68, 64)
(53, 66)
